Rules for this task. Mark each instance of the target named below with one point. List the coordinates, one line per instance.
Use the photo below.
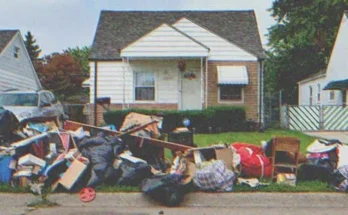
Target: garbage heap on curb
(77, 156)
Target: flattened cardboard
(226, 155)
(72, 174)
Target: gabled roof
(5, 37)
(315, 76)
(117, 29)
(165, 41)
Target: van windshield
(22, 99)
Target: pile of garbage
(326, 161)
(77, 157)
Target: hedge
(213, 119)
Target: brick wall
(250, 91)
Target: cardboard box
(24, 181)
(36, 169)
(30, 159)
(72, 174)
(226, 155)
(286, 178)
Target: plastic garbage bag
(132, 174)
(8, 123)
(167, 189)
(101, 152)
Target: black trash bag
(310, 172)
(8, 123)
(167, 189)
(132, 174)
(338, 179)
(100, 151)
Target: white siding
(166, 78)
(304, 96)
(220, 49)
(164, 41)
(167, 81)
(338, 64)
(17, 72)
(111, 76)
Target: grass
(251, 137)
(42, 203)
(115, 189)
(5, 188)
(305, 186)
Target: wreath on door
(181, 65)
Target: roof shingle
(117, 29)
(5, 37)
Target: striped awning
(337, 85)
(232, 75)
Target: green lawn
(250, 137)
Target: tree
(300, 42)
(61, 74)
(32, 48)
(81, 55)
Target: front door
(191, 90)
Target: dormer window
(16, 52)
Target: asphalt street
(194, 203)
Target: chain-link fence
(272, 108)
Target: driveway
(340, 135)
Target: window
(44, 99)
(310, 95)
(318, 95)
(231, 93)
(144, 86)
(332, 95)
(16, 52)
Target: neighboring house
(16, 68)
(179, 60)
(330, 88)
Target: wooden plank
(71, 125)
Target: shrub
(225, 118)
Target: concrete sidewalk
(16, 203)
(340, 135)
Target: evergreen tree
(32, 48)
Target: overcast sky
(60, 24)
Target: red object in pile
(254, 163)
(87, 194)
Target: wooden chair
(281, 163)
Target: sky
(61, 24)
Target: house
(16, 68)
(329, 87)
(178, 60)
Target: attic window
(16, 52)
